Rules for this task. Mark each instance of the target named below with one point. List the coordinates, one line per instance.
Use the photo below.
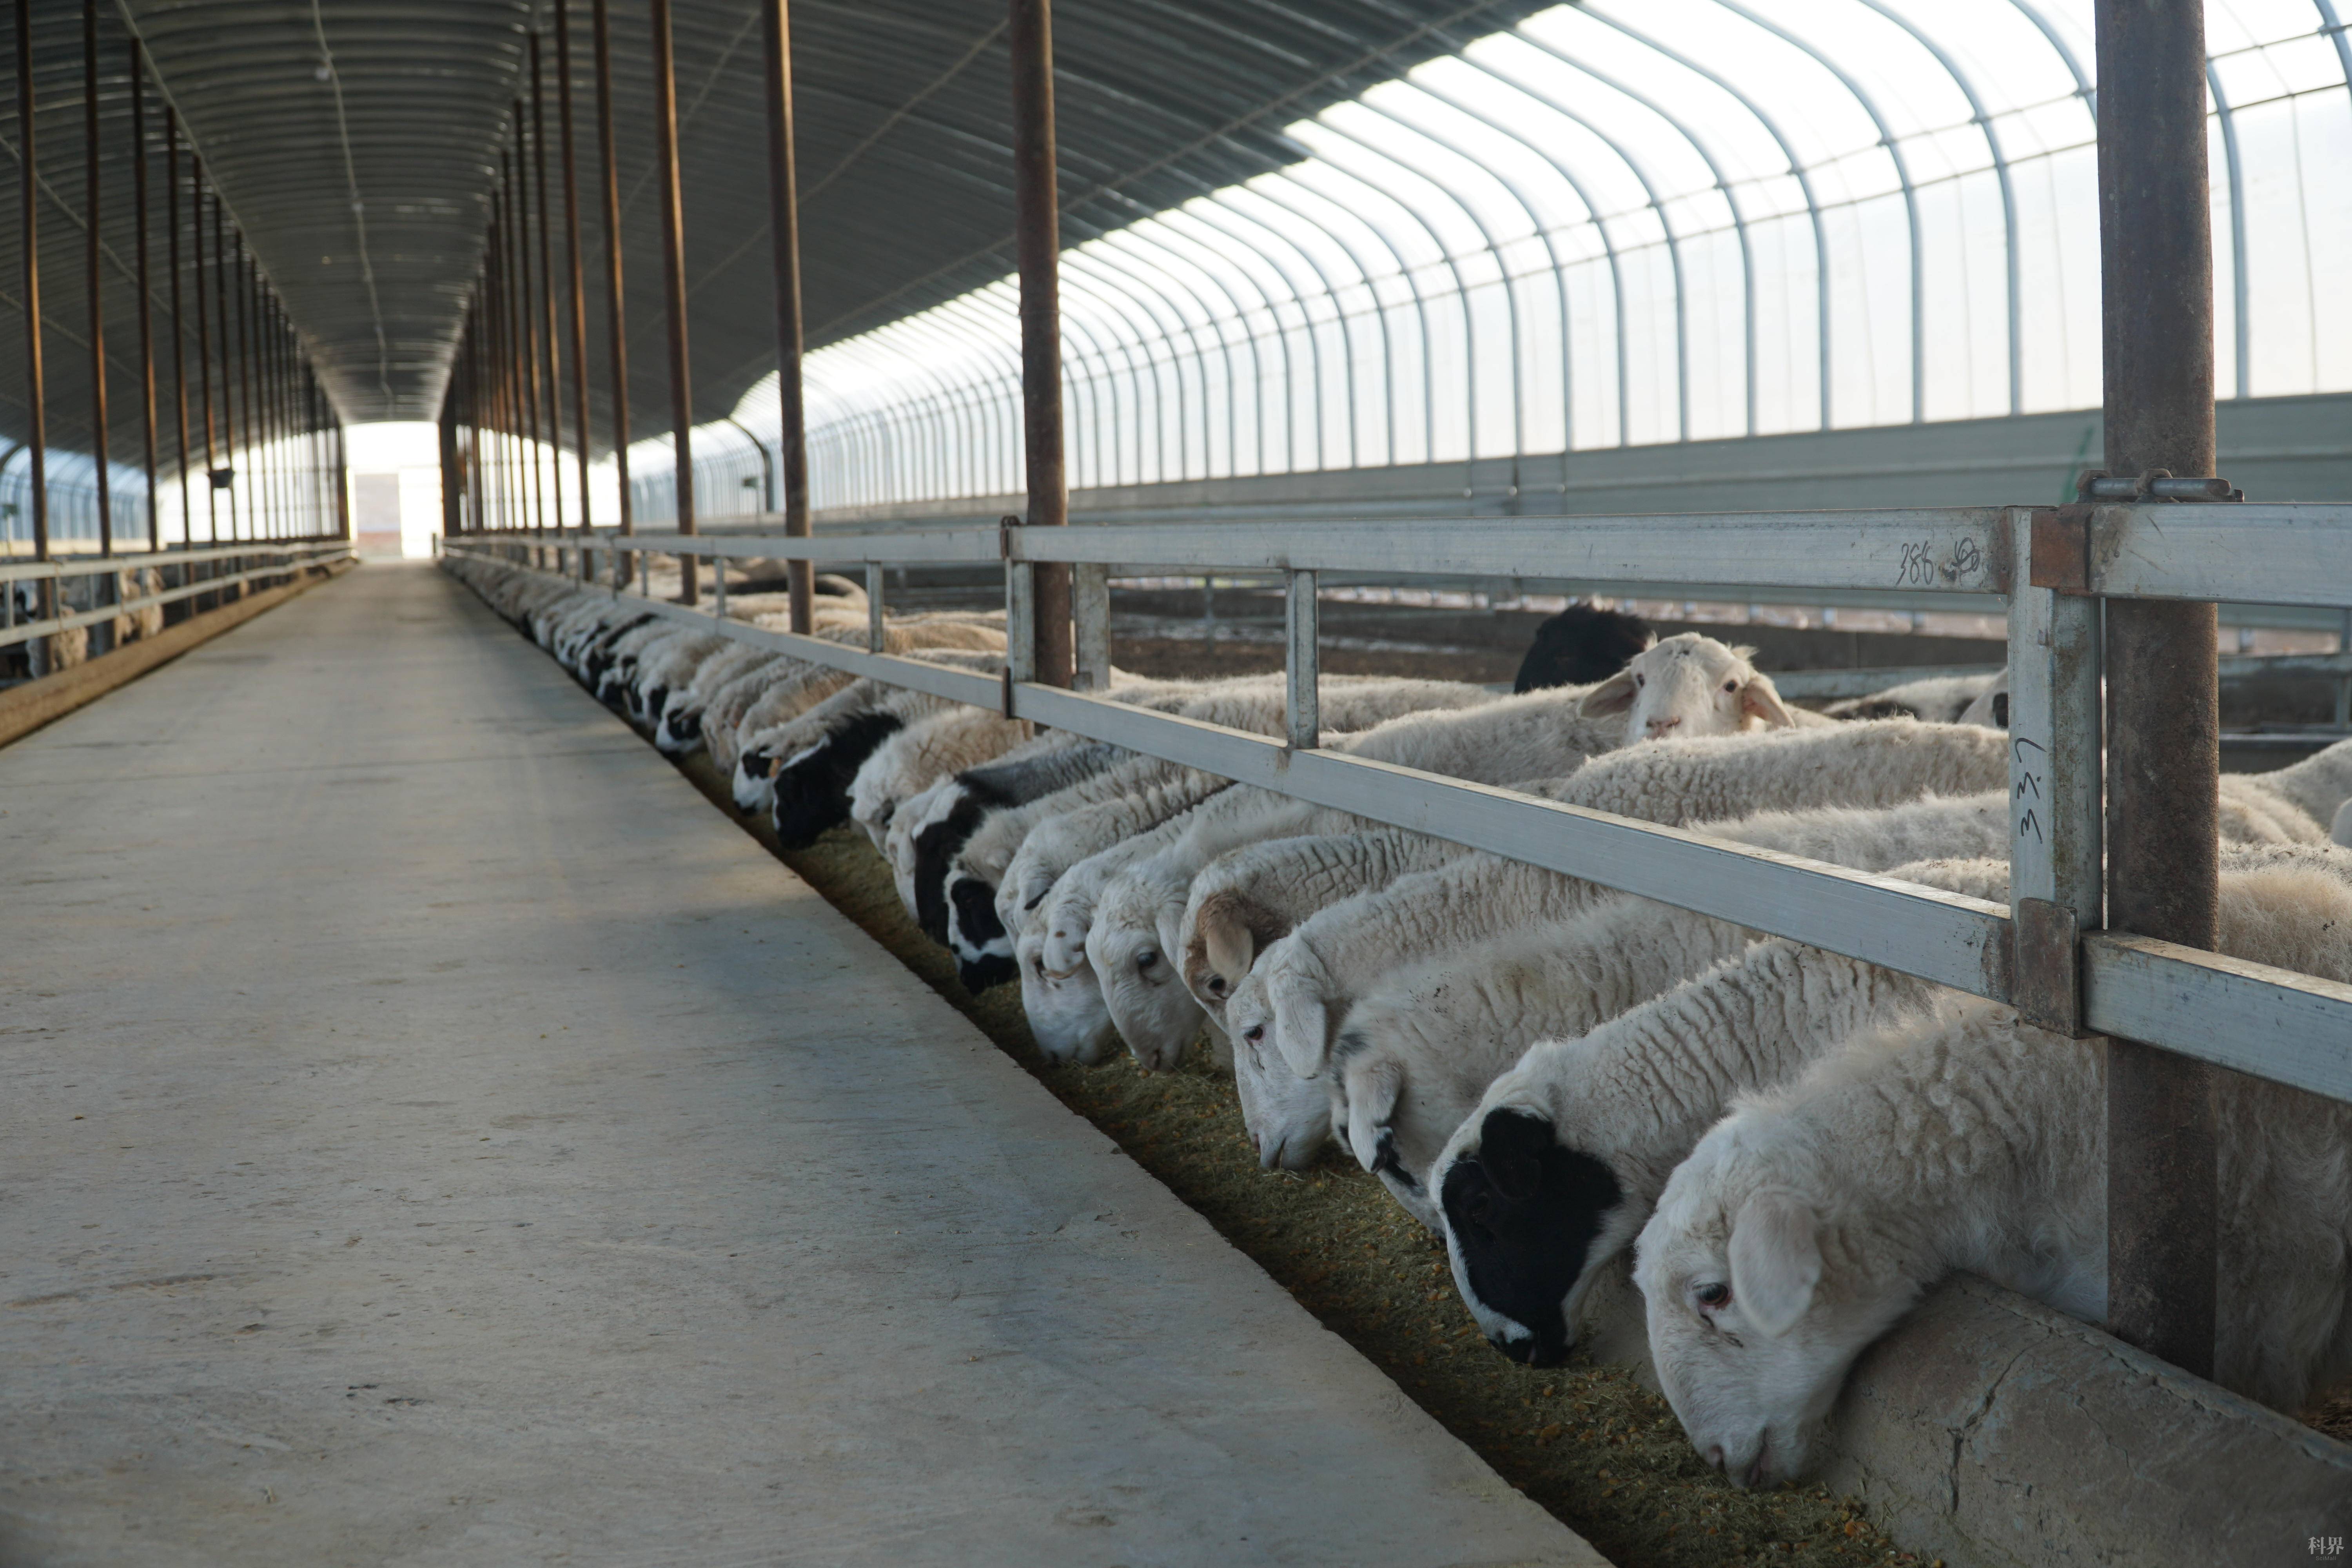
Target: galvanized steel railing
(2044, 955)
(237, 563)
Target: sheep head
(1524, 1220)
(1223, 934)
(1288, 1119)
(1065, 1007)
(1148, 1004)
(1758, 1301)
(1688, 685)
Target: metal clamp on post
(2157, 484)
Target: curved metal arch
(1730, 197)
(1543, 232)
(1003, 391)
(1798, 169)
(1502, 267)
(1446, 255)
(1103, 254)
(1298, 297)
(1157, 243)
(1107, 295)
(2241, 355)
(1134, 341)
(1165, 240)
(1665, 227)
(939, 399)
(1887, 139)
(1248, 252)
(1111, 375)
(1984, 123)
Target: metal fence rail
(2040, 954)
(268, 559)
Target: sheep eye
(1146, 958)
(1713, 1295)
(1254, 1032)
(1731, 685)
(1638, 683)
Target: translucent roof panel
(1631, 221)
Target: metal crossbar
(280, 560)
(2276, 1024)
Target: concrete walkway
(430, 1135)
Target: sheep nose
(1715, 1455)
(1660, 726)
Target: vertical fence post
(668, 196)
(1038, 220)
(784, 230)
(877, 621)
(35, 382)
(1090, 628)
(616, 312)
(204, 353)
(577, 313)
(2163, 706)
(1302, 704)
(2054, 829)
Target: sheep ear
(1372, 1097)
(1614, 695)
(1511, 1146)
(1776, 1260)
(1761, 698)
(1302, 1027)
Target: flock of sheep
(1790, 1146)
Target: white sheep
(678, 731)
(1252, 896)
(1549, 1177)
(1134, 923)
(1689, 685)
(1940, 699)
(1418, 1050)
(1813, 1217)
(2340, 830)
(982, 923)
(1311, 974)
(1490, 897)
(923, 751)
(2303, 799)
(928, 831)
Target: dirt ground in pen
(1587, 1442)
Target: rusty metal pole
(179, 322)
(227, 369)
(37, 441)
(616, 312)
(247, 416)
(526, 333)
(672, 235)
(1038, 205)
(784, 229)
(551, 407)
(2163, 707)
(93, 281)
(578, 298)
(204, 350)
(146, 295)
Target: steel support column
(29, 183)
(146, 304)
(784, 229)
(93, 279)
(2163, 708)
(1038, 206)
(179, 325)
(668, 196)
(616, 315)
(578, 297)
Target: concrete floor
(430, 1135)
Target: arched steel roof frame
(1154, 241)
(1191, 213)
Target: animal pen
(2110, 645)
(2110, 598)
